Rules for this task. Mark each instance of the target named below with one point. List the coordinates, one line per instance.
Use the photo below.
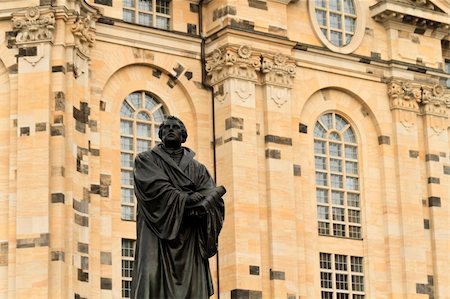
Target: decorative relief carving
(83, 33)
(244, 89)
(240, 63)
(278, 70)
(429, 99)
(34, 25)
(279, 95)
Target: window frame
(359, 28)
(129, 259)
(137, 11)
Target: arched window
(337, 179)
(140, 116)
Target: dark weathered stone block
(297, 170)
(278, 139)
(83, 276)
(105, 179)
(446, 169)
(238, 138)
(156, 73)
(258, 4)
(426, 224)
(41, 127)
(421, 288)
(431, 157)
(172, 81)
(95, 189)
(83, 247)
(27, 51)
(81, 220)
(223, 11)
(188, 75)
(25, 131)
(277, 275)
(57, 256)
(105, 258)
(104, 2)
(57, 198)
(413, 154)
(302, 128)
(434, 201)
(58, 69)
(81, 206)
(178, 69)
(234, 123)
(384, 140)
(242, 24)
(84, 263)
(273, 154)
(105, 283)
(104, 191)
(245, 294)
(433, 180)
(57, 130)
(58, 119)
(254, 270)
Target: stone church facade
(326, 120)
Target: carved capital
(278, 70)
(34, 25)
(230, 62)
(83, 34)
(426, 98)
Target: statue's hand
(194, 198)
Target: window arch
(337, 177)
(141, 114)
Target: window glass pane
(325, 260)
(340, 262)
(340, 123)
(321, 163)
(126, 143)
(321, 3)
(353, 200)
(158, 116)
(326, 295)
(319, 147)
(335, 149)
(336, 165)
(143, 145)
(341, 282)
(353, 216)
(326, 280)
(319, 131)
(128, 3)
(128, 247)
(356, 264)
(334, 136)
(350, 24)
(321, 179)
(135, 99)
(126, 127)
(127, 268)
(145, 19)
(128, 16)
(338, 214)
(143, 130)
(163, 6)
(145, 5)
(358, 283)
(126, 288)
(335, 4)
(339, 230)
(351, 167)
(143, 115)
(354, 232)
(327, 121)
(337, 181)
(336, 38)
(335, 21)
(350, 152)
(352, 183)
(321, 16)
(126, 160)
(162, 22)
(322, 196)
(324, 31)
(322, 213)
(127, 195)
(324, 228)
(349, 136)
(127, 213)
(348, 38)
(337, 198)
(126, 110)
(342, 296)
(349, 6)
(127, 177)
(150, 102)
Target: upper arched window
(140, 116)
(337, 177)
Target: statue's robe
(173, 245)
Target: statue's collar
(188, 155)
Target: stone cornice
(34, 25)
(420, 15)
(231, 62)
(419, 97)
(278, 70)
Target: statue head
(172, 132)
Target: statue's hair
(184, 134)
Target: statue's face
(172, 133)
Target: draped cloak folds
(173, 246)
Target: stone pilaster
(34, 28)
(419, 114)
(278, 74)
(233, 73)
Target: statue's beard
(172, 143)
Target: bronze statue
(179, 218)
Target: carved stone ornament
(231, 62)
(278, 70)
(34, 25)
(83, 33)
(407, 95)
